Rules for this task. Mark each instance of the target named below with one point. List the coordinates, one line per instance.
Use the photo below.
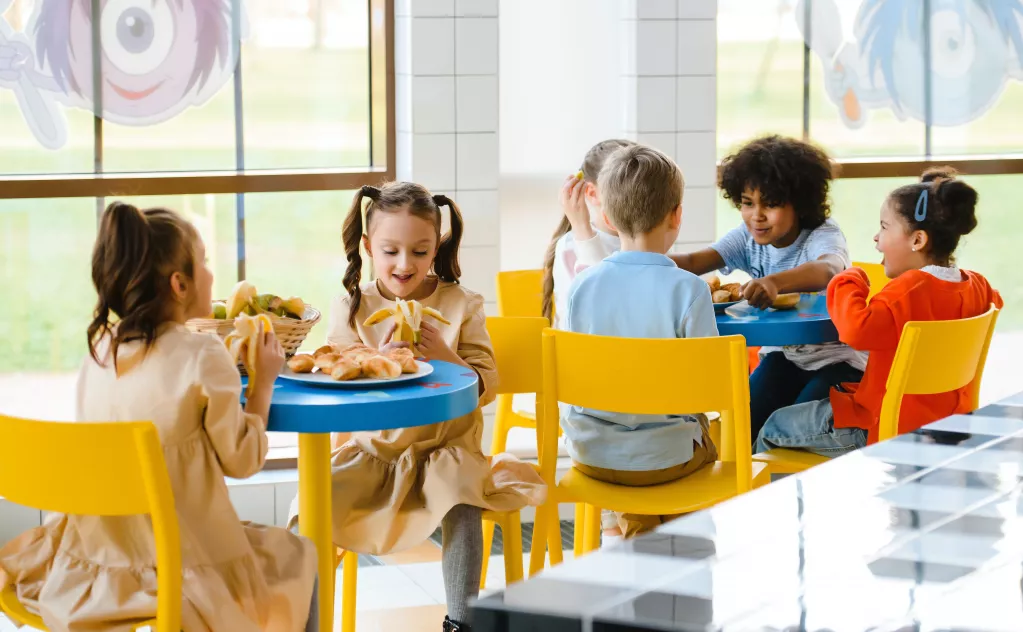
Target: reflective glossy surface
(923, 532)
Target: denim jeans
(809, 426)
(778, 382)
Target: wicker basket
(290, 332)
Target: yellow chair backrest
(517, 350)
(102, 469)
(520, 293)
(936, 357)
(875, 272)
(650, 377)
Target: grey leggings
(462, 558)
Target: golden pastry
(322, 350)
(735, 289)
(359, 354)
(344, 370)
(405, 358)
(715, 283)
(326, 362)
(721, 296)
(381, 368)
(786, 301)
(303, 363)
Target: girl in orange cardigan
(920, 229)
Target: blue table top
(921, 532)
(808, 324)
(449, 392)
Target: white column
(669, 97)
(446, 55)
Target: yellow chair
(643, 376)
(519, 294)
(875, 272)
(933, 357)
(516, 344)
(74, 468)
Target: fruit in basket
(294, 307)
(267, 303)
(241, 298)
(219, 310)
(408, 316)
(243, 342)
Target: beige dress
(392, 488)
(98, 573)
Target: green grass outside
(293, 240)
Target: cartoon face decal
(975, 46)
(158, 58)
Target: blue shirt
(635, 295)
(740, 252)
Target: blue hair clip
(920, 214)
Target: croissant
(326, 362)
(344, 370)
(322, 350)
(405, 358)
(735, 289)
(302, 363)
(721, 296)
(715, 283)
(380, 367)
(359, 354)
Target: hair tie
(370, 192)
(920, 213)
(441, 200)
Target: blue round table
(314, 412)
(808, 324)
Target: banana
(243, 342)
(408, 316)
(241, 297)
(294, 306)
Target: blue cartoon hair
(53, 33)
(886, 19)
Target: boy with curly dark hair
(786, 243)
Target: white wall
(559, 94)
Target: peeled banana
(408, 315)
(243, 342)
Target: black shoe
(455, 626)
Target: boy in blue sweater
(639, 293)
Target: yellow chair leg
(488, 543)
(580, 528)
(554, 536)
(592, 529)
(511, 532)
(350, 578)
(538, 548)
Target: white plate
(324, 380)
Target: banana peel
(243, 342)
(408, 316)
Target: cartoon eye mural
(975, 47)
(159, 58)
(137, 35)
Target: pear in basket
(408, 316)
(243, 342)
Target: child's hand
(760, 293)
(433, 347)
(388, 346)
(573, 205)
(269, 359)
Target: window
(255, 119)
(888, 89)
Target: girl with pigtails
(393, 488)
